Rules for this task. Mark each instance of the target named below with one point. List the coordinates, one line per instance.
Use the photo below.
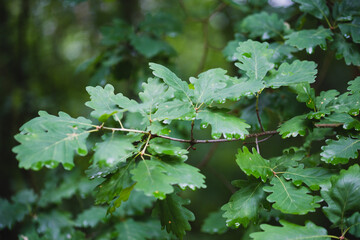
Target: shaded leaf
(290, 199)
(343, 119)
(351, 29)
(135, 205)
(316, 8)
(325, 98)
(11, 213)
(291, 231)
(223, 124)
(354, 223)
(345, 10)
(214, 223)
(52, 224)
(354, 85)
(294, 127)
(305, 94)
(341, 150)
(150, 47)
(253, 164)
(244, 205)
(90, 217)
(349, 51)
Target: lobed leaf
(351, 29)
(294, 127)
(174, 110)
(90, 217)
(214, 223)
(317, 8)
(349, 51)
(354, 85)
(341, 150)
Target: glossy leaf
(223, 124)
(214, 223)
(244, 205)
(173, 215)
(49, 140)
(254, 58)
(263, 25)
(309, 39)
(294, 73)
(164, 147)
(291, 231)
(290, 199)
(317, 8)
(294, 127)
(325, 98)
(341, 150)
(342, 196)
(253, 164)
(312, 177)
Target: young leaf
(343, 195)
(214, 223)
(289, 199)
(293, 127)
(90, 217)
(170, 78)
(244, 205)
(254, 58)
(253, 164)
(114, 149)
(223, 124)
(289, 74)
(341, 150)
(175, 109)
(349, 51)
(173, 215)
(309, 39)
(49, 140)
(263, 25)
(291, 231)
(316, 8)
(313, 177)
(105, 103)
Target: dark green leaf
(341, 150)
(244, 205)
(349, 51)
(53, 223)
(118, 32)
(253, 164)
(150, 47)
(342, 196)
(290, 199)
(305, 94)
(291, 231)
(90, 217)
(223, 124)
(316, 8)
(351, 29)
(214, 223)
(309, 39)
(343, 119)
(173, 215)
(135, 205)
(164, 147)
(293, 127)
(325, 98)
(354, 85)
(294, 73)
(160, 24)
(354, 223)
(345, 10)
(11, 213)
(25, 196)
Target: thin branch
(257, 145)
(328, 125)
(257, 112)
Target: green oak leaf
(354, 85)
(342, 196)
(254, 58)
(155, 178)
(317, 8)
(341, 150)
(90, 217)
(344, 10)
(149, 46)
(135, 205)
(158, 128)
(325, 98)
(170, 78)
(253, 164)
(294, 73)
(282, 52)
(305, 94)
(173, 215)
(207, 84)
(263, 25)
(165, 147)
(117, 33)
(11, 213)
(174, 110)
(289, 158)
(349, 51)
(131, 229)
(105, 103)
(346, 103)
(309, 39)
(351, 29)
(51, 224)
(114, 149)
(223, 124)
(353, 222)
(343, 119)
(291, 231)
(214, 223)
(312, 177)
(25, 196)
(120, 198)
(244, 205)
(294, 127)
(49, 140)
(290, 199)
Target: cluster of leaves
(136, 165)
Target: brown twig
(257, 112)
(328, 125)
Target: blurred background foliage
(50, 50)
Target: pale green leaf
(309, 39)
(253, 164)
(342, 197)
(223, 124)
(290, 199)
(294, 127)
(317, 8)
(214, 223)
(244, 205)
(341, 150)
(294, 73)
(254, 58)
(354, 85)
(290, 231)
(52, 224)
(173, 215)
(174, 110)
(49, 140)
